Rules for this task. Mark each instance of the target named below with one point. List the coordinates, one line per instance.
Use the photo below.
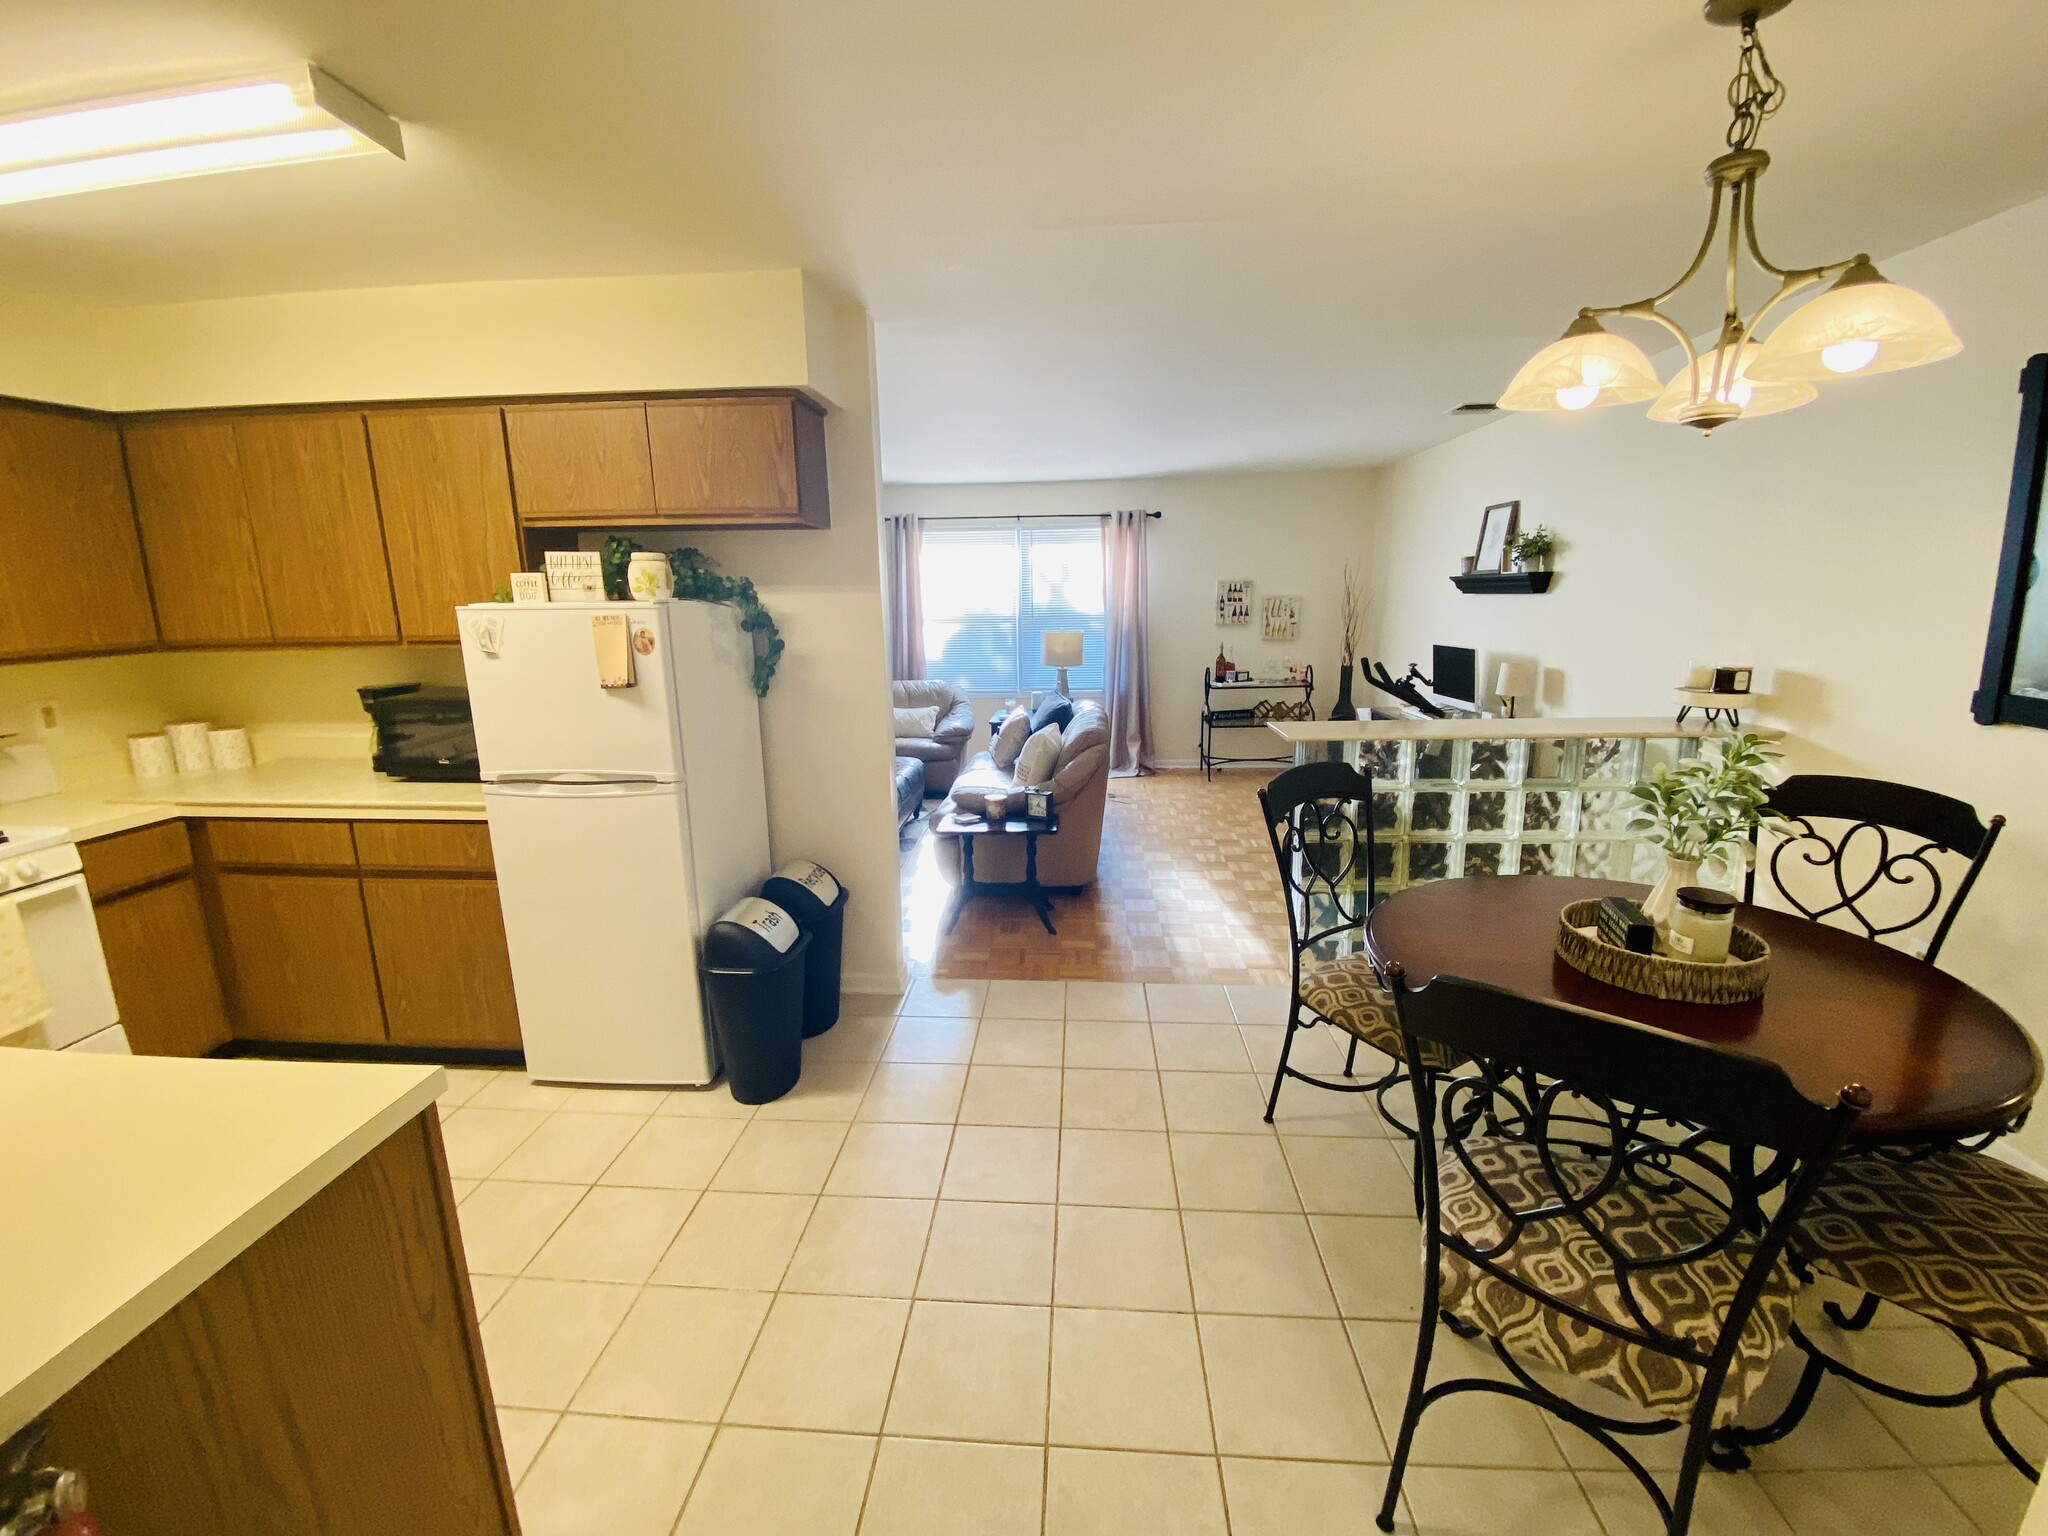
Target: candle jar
(1701, 923)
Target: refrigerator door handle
(577, 788)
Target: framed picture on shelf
(1282, 618)
(1233, 602)
(1496, 528)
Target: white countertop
(298, 787)
(1522, 728)
(134, 1179)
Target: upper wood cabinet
(580, 463)
(447, 504)
(319, 541)
(71, 575)
(726, 462)
(187, 478)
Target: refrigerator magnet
(643, 640)
(614, 650)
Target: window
(992, 589)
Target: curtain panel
(901, 546)
(1127, 687)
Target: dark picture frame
(2019, 566)
(1496, 532)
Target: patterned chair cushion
(1957, 1237)
(1559, 1257)
(1347, 993)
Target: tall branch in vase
(1352, 615)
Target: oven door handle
(67, 886)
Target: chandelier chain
(1755, 93)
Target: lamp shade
(1719, 388)
(1862, 324)
(1062, 647)
(1587, 366)
(1515, 680)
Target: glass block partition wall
(1444, 808)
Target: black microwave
(422, 731)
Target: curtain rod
(1022, 517)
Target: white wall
(1288, 532)
(825, 720)
(1847, 550)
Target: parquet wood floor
(1185, 892)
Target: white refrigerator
(624, 821)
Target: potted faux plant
(1703, 812)
(1531, 551)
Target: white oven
(40, 878)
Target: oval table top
(1939, 1058)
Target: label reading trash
(812, 877)
(766, 919)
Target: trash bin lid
(753, 935)
(807, 890)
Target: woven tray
(1739, 979)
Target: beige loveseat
(941, 751)
(1080, 789)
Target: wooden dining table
(1941, 1060)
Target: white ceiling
(1098, 239)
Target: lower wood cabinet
(298, 958)
(442, 960)
(153, 929)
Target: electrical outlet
(49, 718)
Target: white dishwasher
(41, 878)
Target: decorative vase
(649, 577)
(1663, 898)
(1344, 709)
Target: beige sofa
(1080, 790)
(941, 751)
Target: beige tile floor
(1020, 1258)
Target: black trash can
(812, 895)
(754, 980)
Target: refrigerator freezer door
(534, 694)
(595, 883)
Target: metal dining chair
(1593, 1203)
(1947, 1233)
(1874, 843)
(1319, 821)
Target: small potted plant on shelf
(1531, 551)
(1702, 812)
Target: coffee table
(970, 830)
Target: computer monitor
(1454, 674)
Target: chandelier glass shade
(1860, 324)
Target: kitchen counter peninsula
(237, 1288)
(1536, 795)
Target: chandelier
(1860, 324)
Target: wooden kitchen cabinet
(442, 962)
(319, 540)
(153, 930)
(71, 573)
(581, 462)
(298, 958)
(187, 478)
(446, 496)
(756, 463)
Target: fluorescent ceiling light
(278, 119)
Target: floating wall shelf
(1504, 581)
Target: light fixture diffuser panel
(291, 115)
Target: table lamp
(1516, 680)
(1063, 650)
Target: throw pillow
(1053, 709)
(1040, 756)
(916, 722)
(1010, 739)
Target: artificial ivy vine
(698, 579)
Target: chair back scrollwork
(1319, 820)
(1879, 858)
